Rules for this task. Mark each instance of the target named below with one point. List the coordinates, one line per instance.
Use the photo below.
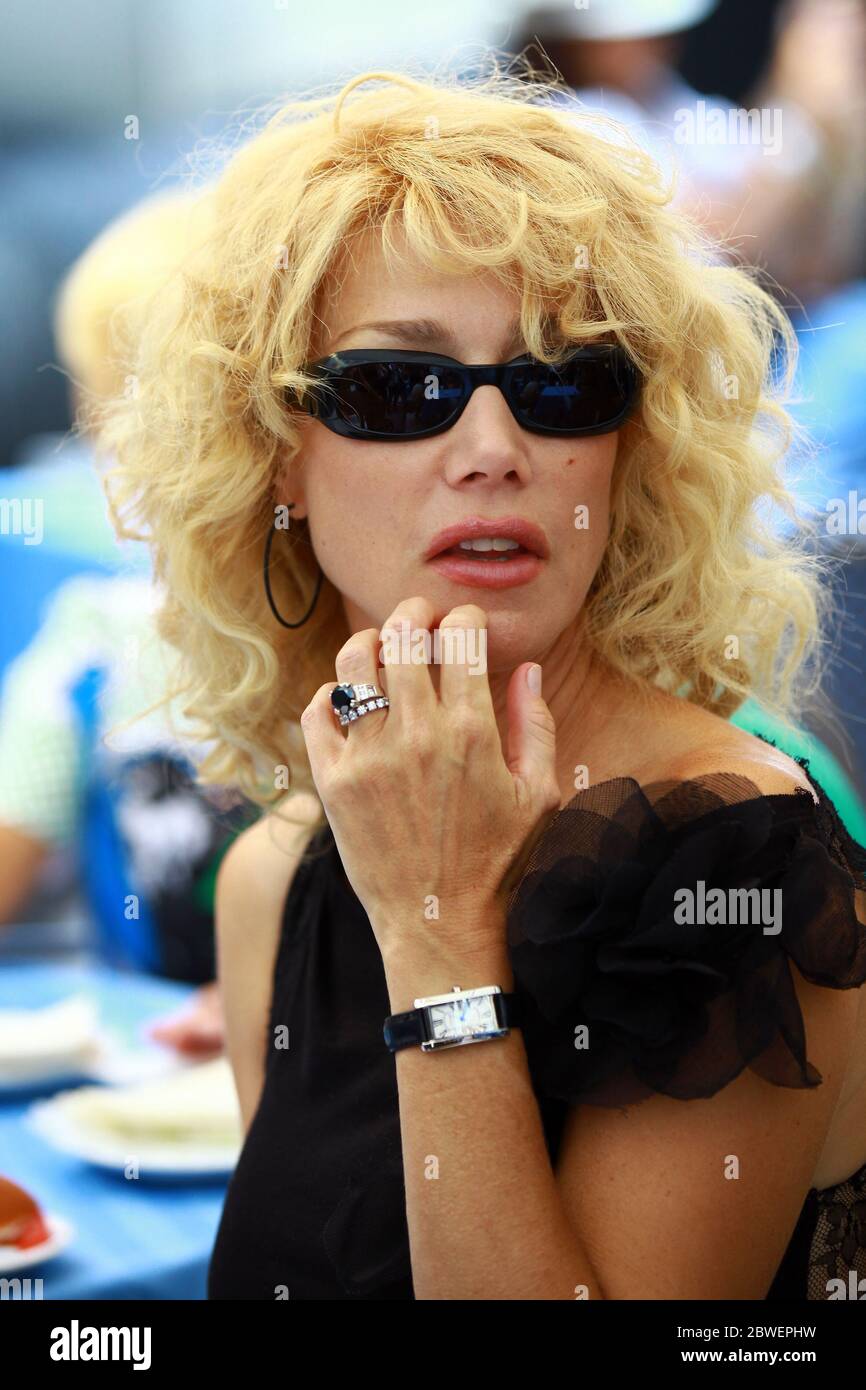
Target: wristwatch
(449, 1020)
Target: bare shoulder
(768, 768)
(257, 870)
(693, 742)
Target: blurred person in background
(786, 193)
(145, 838)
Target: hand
(429, 818)
(199, 1030)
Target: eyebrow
(421, 331)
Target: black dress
(601, 933)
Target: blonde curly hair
(490, 172)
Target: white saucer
(62, 1231)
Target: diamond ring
(350, 702)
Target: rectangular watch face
(459, 1018)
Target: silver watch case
(451, 1021)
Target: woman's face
(374, 508)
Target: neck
(583, 695)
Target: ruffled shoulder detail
(652, 929)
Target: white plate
(67, 1029)
(155, 1159)
(110, 1062)
(51, 1045)
(39, 1073)
(62, 1231)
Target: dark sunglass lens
(585, 393)
(399, 398)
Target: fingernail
(533, 679)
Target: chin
(520, 626)
(515, 637)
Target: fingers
(463, 657)
(357, 663)
(405, 644)
(406, 653)
(532, 736)
(323, 736)
(190, 1035)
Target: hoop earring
(269, 593)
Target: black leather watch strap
(410, 1029)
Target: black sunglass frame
(325, 405)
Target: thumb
(531, 729)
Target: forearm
(483, 1209)
(21, 857)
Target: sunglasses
(389, 395)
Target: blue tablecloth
(134, 1239)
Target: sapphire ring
(350, 702)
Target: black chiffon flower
(673, 1006)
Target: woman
(332, 359)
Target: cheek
(357, 521)
(588, 472)
(341, 495)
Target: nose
(487, 442)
